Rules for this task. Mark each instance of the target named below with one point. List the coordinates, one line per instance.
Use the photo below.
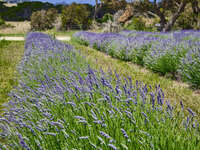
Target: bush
(165, 60)
(2, 22)
(106, 17)
(113, 25)
(43, 20)
(136, 24)
(190, 67)
(76, 15)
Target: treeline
(23, 11)
(148, 15)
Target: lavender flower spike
(105, 134)
(191, 112)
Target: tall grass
(10, 55)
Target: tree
(167, 10)
(115, 4)
(75, 15)
(43, 20)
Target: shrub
(190, 67)
(75, 15)
(113, 25)
(106, 17)
(165, 60)
(136, 24)
(2, 22)
(160, 52)
(43, 20)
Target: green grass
(14, 35)
(10, 55)
(174, 91)
(53, 32)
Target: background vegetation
(164, 15)
(43, 20)
(76, 16)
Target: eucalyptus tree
(162, 9)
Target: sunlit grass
(10, 55)
(53, 32)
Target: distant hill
(22, 11)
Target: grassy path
(10, 55)
(174, 91)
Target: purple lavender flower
(50, 133)
(124, 133)
(182, 106)
(105, 134)
(191, 112)
(83, 137)
(22, 142)
(112, 146)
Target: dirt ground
(19, 28)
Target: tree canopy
(167, 10)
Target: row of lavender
(62, 103)
(176, 53)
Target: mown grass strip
(174, 91)
(10, 55)
(13, 35)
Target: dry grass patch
(18, 28)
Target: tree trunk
(195, 7)
(163, 21)
(160, 14)
(175, 16)
(95, 11)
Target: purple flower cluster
(160, 52)
(61, 102)
(190, 66)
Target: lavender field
(174, 53)
(62, 103)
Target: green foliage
(75, 15)
(81, 42)
(105, 18)
(136, 24)
(4, 43)
(164, 62)
(10, 55)
(190, 67)
(1, 21)
(23, 11)
(188, 20)
(43, 20)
